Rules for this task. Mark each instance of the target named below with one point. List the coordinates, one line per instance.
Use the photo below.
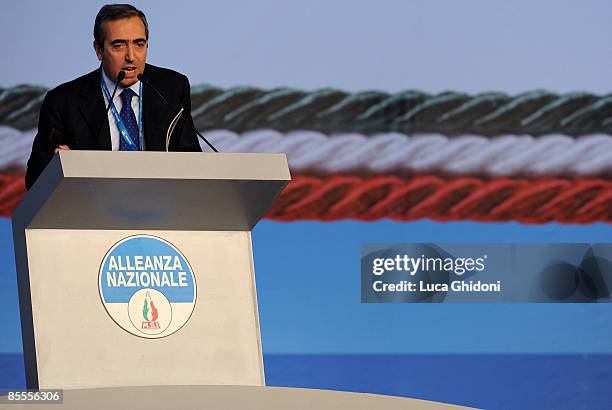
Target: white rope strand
(508, 155)
(16, 147)
(310, 151)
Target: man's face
(125, 48)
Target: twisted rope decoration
(402, 196)
(12, 190)
(393, 153)
(17, 147)
(537, 201)
(329, 111)
(507, 155)
(20, 106)
(367, 199)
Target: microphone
(145, 80)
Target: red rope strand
(12, 190)
(367, 199)
(529, 201)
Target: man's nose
(129, 53)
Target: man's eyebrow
(123, 41)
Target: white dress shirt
(114, 130)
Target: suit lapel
(92, 108)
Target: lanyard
(120, 125)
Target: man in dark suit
(72, 115)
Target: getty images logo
(147, 286)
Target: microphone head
(141, 77)
(120, 76)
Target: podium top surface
(173, 165)
(153, 190)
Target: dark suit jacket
(73, 114)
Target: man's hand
(62, 148)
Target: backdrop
(403, 121)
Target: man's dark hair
(112, 12)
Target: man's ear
(98, 50)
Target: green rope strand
(329, 110)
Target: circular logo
(147, 286)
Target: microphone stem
(145, 80)
(120, 77)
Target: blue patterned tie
(129, 120)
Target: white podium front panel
(79, 345)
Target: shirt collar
(110, 85)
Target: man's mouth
(129, 70)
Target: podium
(136, 268)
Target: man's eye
(118, 45)
(141, 44)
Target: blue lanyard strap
(120, 125)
